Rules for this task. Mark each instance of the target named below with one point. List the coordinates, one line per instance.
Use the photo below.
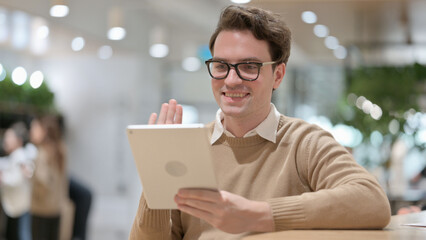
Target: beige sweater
(50, 186)
(309, 180)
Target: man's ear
(279, 73)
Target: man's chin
(233, 111)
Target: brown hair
(264, 25)
(21, 131)
(53, 141)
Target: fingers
(188, 204)
(163, 113)
(170, 113)
(152, 118)
(179, 112)
(202, 195)
(207, 216)
(170, 116)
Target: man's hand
(170, 113)
(226, 211)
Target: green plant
(25, 99)
(395, 90)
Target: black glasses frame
(235, 66)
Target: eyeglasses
(248, 71)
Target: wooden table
(394, 231)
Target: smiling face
(239, 99)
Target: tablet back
(170, 157)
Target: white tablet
(169, 157)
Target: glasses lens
(218, 69)
(248, 71)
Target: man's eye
(220, 67)
(248, 67)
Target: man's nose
(233, 79)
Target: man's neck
(239, 126)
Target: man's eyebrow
(218, 59)
(250, 59)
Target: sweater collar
(266, 129)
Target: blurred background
(357, 68)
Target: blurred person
(50, 185)
(15, 172)
(81, 196)
(274, 172)
(419, 176)
(414, 208)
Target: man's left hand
(226, 211)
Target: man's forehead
(240, 45)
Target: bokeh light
(309, 17)
(19, 76)
(36, 79)
(159, 50)
(77, 44)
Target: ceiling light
(116, 29)
(340, 52)
(159, 50)
(331, 42)
(321, 30)
(77, 44)
(116, 33)
(59, 9)
(309, 17)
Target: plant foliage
(25, 99)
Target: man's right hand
(170, 113)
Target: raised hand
(170, 113)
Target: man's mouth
(235, 95)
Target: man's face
(238, 98)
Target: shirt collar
(267, 129)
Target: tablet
(169, 157)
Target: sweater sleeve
(154, 224)
(343, 194)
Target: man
(274, 172)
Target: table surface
(395, 230)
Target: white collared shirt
(266, 129)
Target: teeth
(235, 94)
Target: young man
(274, 172)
